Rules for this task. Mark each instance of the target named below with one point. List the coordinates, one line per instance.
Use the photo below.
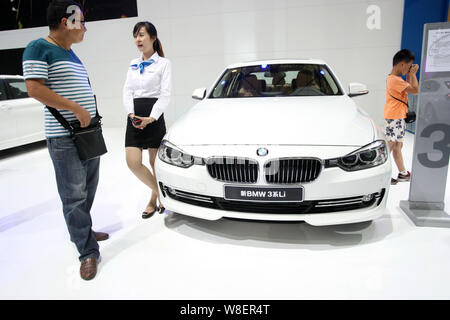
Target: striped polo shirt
(63, 73)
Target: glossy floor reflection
(171, 256)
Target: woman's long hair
(151, 30)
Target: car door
(7, 122)
(27, 112)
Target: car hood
(281, 120)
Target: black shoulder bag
(88, 141)
(410, 115)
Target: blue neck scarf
(142, 65)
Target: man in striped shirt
(56, 77)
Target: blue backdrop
(416, 13)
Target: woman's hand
(132, 116)
(145, 121)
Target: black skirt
(151, 136)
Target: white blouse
(154, 82)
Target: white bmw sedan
(21, 117)
(276, 140)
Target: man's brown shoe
(100, 236)
(88, 268)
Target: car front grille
(291, 170)
(316, 206)
(233, 169)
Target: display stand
(425, 206)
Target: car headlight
(372, 155)
(171, 154)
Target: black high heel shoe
(161, 209)
(146, 215)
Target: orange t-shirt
(394, 109)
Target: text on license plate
(264, 194)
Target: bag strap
(95, 98)
(399, 100)
(63, 121)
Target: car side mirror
(199, 94)
(357, 89)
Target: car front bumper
(194, 192)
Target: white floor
(174, 257)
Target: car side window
(3, 95)
(17, 88)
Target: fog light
(367, 198)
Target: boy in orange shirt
(396, 108)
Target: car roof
(276, 61)
(7, 76)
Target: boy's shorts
(395, 129)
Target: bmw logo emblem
(262, 152)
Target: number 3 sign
(431, 155)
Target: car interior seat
(251, 85)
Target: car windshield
(276, 80)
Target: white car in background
(21, 117)
(276, 140)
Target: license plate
(264, 194)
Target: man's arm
(36, 89)
(411, 78)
